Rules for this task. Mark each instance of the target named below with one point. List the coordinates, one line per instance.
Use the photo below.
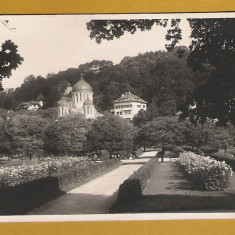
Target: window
(130, 105)
(138, 106)
(120, 113)
(143, 106)
(117, 113)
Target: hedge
(20, 199)
(208, 173)
(130, 191)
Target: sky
(53, 43)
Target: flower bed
(208, 173)
(16, 175)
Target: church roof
(82, 85)
(129, 97)
(88, 102)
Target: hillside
(163, 79)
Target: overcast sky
(50, 44)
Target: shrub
(209, 173)
(132, 187)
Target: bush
(132, 187)
(209, 173)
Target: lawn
(170, 189)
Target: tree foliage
(161, 78)
(212, 45)
(9, 60)
(24, 134)
(165, 133)
(111, 133)
(67, 135)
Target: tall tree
(165, 133)
(111, 133)
(25, 134)
(9, 60)
(67, 135)
(212, 44)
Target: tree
(165, 133)
(5, 144)
(212, 45)
(111, 133)
(224, 137)
(141, 118)
(9, 60)
(67, 135)
(207, 137)
(25, 134)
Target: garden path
(94, 197)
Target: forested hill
(163, 79)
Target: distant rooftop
(129, 97)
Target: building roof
(26, 105)
(88, 102)
(129, 97)
(82, 85)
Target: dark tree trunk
(144, 148)
(110, 155)
(163, 153)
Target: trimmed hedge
(130, 191)
(208, 173)
(20, 199)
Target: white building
(128, 105)
(32, 105)
(78, 99)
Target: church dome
(82, 85)
(88, 102)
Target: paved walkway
(145, 157)
(94, 197)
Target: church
(78, 99)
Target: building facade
(78, 99)
(32, 105)
(128, 105)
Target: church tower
(81, 101)
(81, 92)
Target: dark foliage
(161, 78)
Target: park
(128, 125)
(112, 165)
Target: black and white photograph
(117, 116)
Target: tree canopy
(23, 134)
(111, 133)
(212, 45)
(66, 135)
(9, 60)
